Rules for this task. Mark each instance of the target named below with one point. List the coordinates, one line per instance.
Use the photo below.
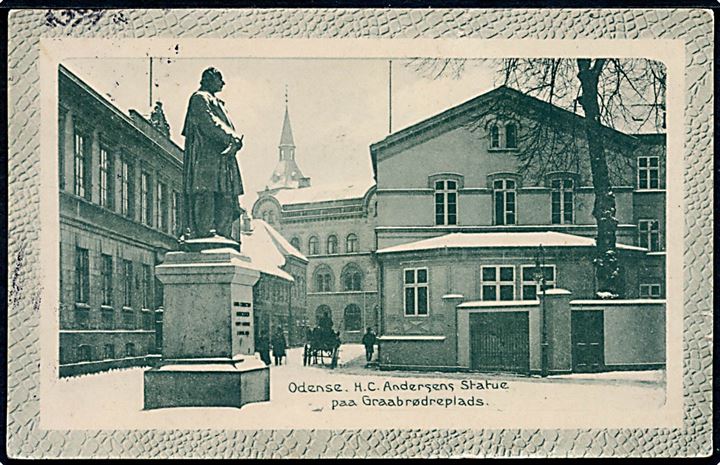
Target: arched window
(332, 245)
(323, 279)
(313, 246)
(352, 278)
(445, 202)
(494, 136)
(295, 242)
(323, 312)
(351, 243)
(352, 318)
(510, 136)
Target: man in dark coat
(368, 341)
(279, 344)
(262, 345)
(211, 176)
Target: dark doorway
(588, 341)
(499, 342)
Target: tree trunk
(606, 261)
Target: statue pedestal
(208, 337)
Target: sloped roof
(286, 175)
(324, 193)
(266, 252)
(499, 240)
(466, 108)
(282, 243)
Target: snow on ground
(114, 400)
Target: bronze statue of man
(211, 176)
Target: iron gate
(499, 342)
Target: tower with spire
(287, 174)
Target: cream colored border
(671, 52)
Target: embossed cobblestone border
(25, 439)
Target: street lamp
(540, 280)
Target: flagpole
(389, 96)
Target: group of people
(278, 344)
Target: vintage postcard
(319, 243)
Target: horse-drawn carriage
(323, 346)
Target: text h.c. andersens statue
(211, 176)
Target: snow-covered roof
(279, 240)
(323, 193)
(263, 250)
(500, 239)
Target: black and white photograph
(319, 235)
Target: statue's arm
(209, 124)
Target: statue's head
(212, 80)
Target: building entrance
(588, 341)
(499, 342)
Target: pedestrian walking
(279, 344)
(369, 340)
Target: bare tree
(609, 94)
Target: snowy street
(366, 398)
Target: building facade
(480, 203)
(334, 229)
(119, 183)
(120, 179)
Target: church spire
(287, 174)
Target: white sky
(337, 107)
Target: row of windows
(107, 319)
(88, 353)
(158, 206)
(324, 280)
(331, 245)
(107, 276)
(497, 282)
(352, 316)
(504, 202)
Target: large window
(332, 245)
(648, 172)
(505, 195)
(147, 285)
(352, 278)
(494, 133)
(109, 351)
(82, 275)
(130, 349)
(323, 312)
(649, 234)
(445, 202)
(416, 291)
(125, 176)
(351, 243)
(161, 207)
(530, 280)
(498, 282)
(106, 178)
(562, 201)
(352, 317)
(107, 280)
(82, 161)
(84, 353)
(323, 279)
(313, 246)
(145, 199)
(127, 283)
